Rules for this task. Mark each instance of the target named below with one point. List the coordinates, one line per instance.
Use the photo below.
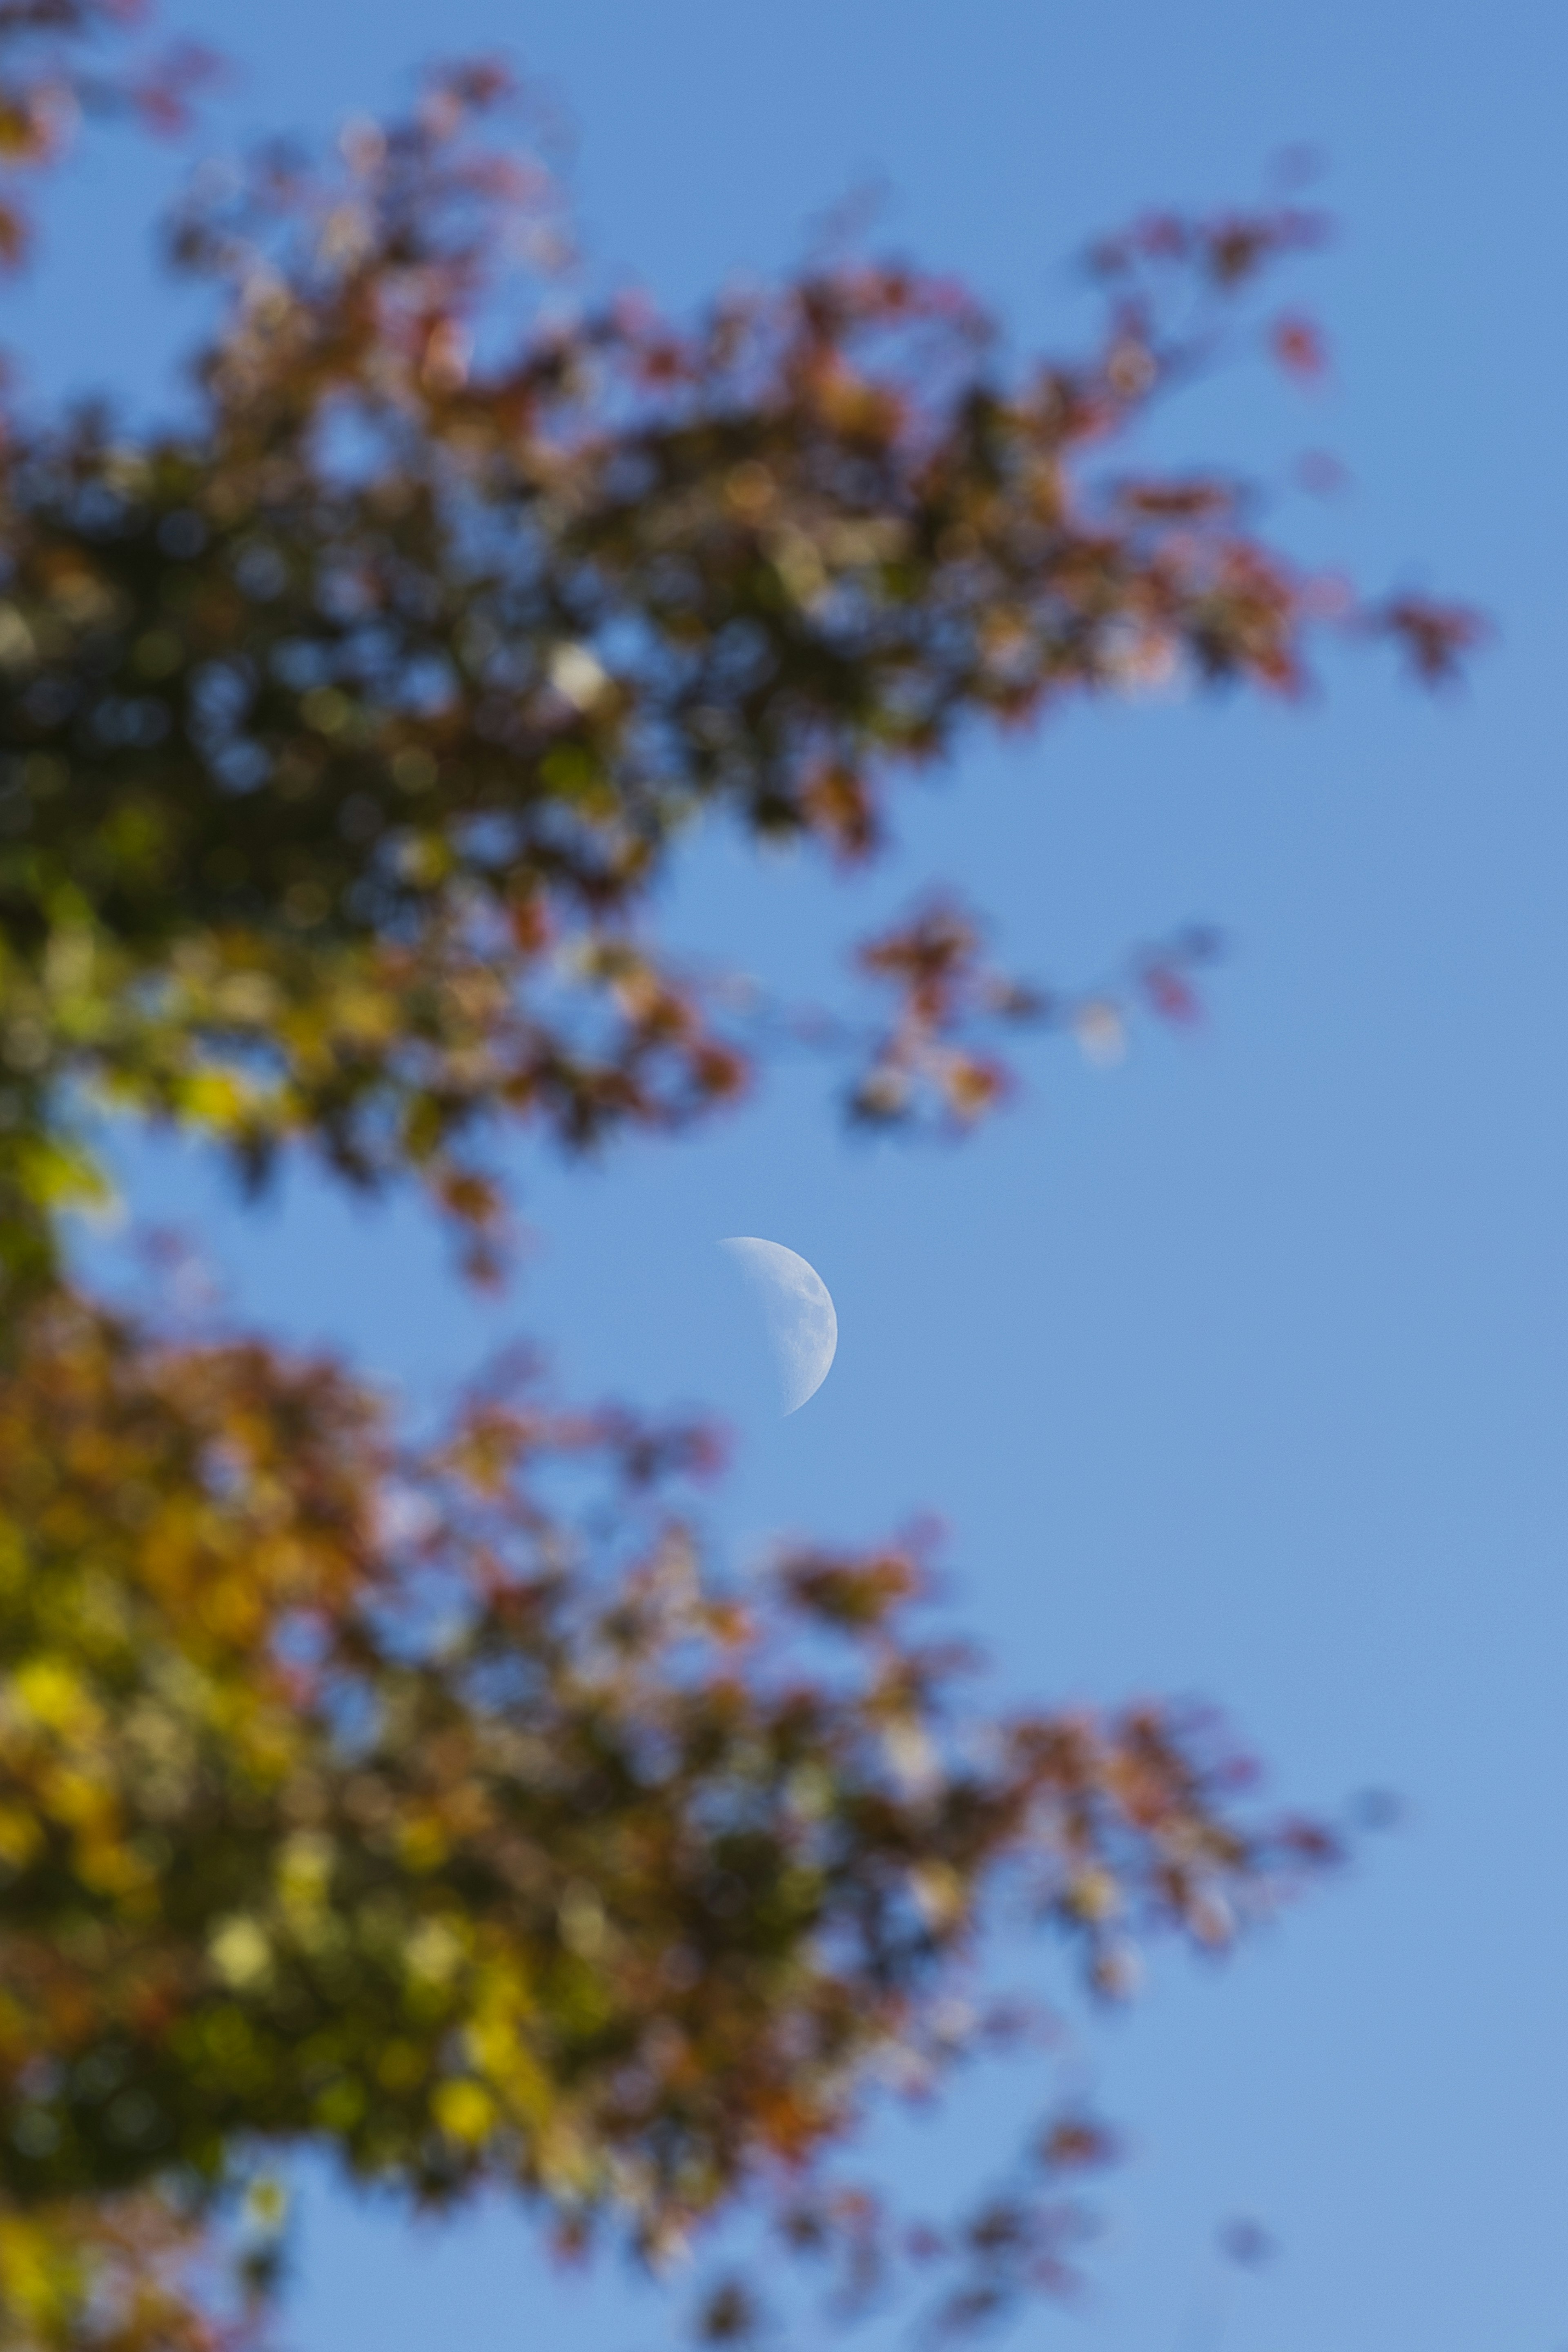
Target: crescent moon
(803, 1329)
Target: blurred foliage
(348, 732)
(449, 1810)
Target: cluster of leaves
(47, 85)
(346, 733)
(930, 1059)
(445, 1810)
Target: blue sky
(1241, 1369)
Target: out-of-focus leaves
(934, 1061)
(346, 733)
(50, 76)
(420, 1808)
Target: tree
(447, 1808)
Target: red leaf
(1299, 346)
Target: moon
(802, 1329)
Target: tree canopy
(450, 1807)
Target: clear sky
(1241, 1369)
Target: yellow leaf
(464, 2111)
